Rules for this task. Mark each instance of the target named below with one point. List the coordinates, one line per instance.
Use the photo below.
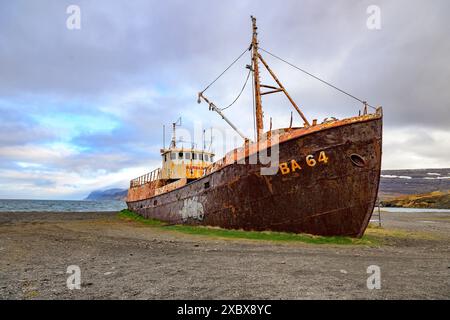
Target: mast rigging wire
(236, 60)
(242, 90)
(317, 78)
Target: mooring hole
(206, 185)
(155, 202)
(357, 160)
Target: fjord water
(7, 205)
(19, 205)
(394, 209)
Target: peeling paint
(192, 208)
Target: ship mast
(258, 103)
(256, 57)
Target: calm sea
(391, 209)
(61, 205)
(113, 205)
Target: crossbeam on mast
(284, 90)
(273, 91)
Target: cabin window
(200, 156)
(187, 155)
(194, 156)
(211, 158)
(180, 155)
(173, 155)
(206, 157)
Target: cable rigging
(257, 56)
(240, 93)
(317, 78)
(220, 75)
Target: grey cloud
(175, 48)
(17, 128)
(122, 45)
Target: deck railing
(146, 178)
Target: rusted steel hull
(333, 197)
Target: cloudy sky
(83, 109)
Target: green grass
(130, 215)
(249, 235)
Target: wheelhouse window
(173, 155)
(206, 157)
(180, 155)
(187, 155)
(194, 156)
(200, 156)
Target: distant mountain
(109, 194)
(393, 183)
(435, 200)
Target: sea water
(396, 209)
(61, 205)
(115, 205)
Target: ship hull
(328, 186)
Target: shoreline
(128, 260)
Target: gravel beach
(122, 259)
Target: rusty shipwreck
(325, 180)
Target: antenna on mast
(204, 140)
(211, 140)
(164, 136)
(173, 144)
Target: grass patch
(249, 235)
(374, 226)
(130, 215)
(389, 235)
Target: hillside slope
(432, 200)
(109, 194)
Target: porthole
(358, 160)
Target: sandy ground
(127, 260)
